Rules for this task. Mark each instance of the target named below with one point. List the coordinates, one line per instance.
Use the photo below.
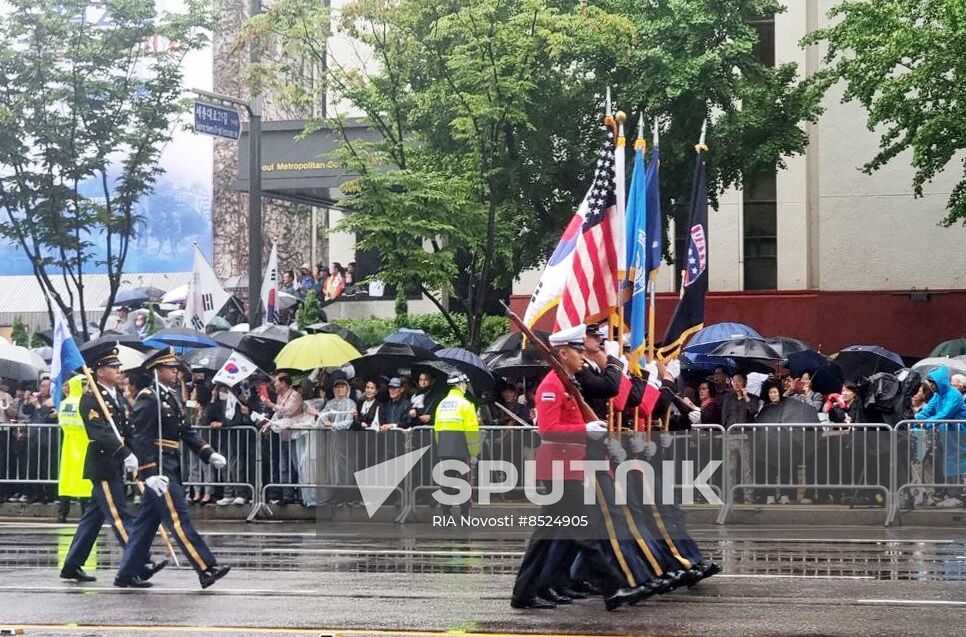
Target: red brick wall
(831, 320)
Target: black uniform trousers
(172, 510)
(567, 540)
(107, 503)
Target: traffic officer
(158, 421)
(109, 459)
(457, 430)
(71, 482)
(564, 435)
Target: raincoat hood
(75, 386)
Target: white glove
(158, 484)
(218, 461)
(616, 452)
(130, 464)
(666, 440)
(596, 429)
(695, 416)
(612, 348)
(650, 450)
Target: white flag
(270, 289)
(206, 297)
(236, 369)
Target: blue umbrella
(416, 338)
(181, 339)
(714, 335)
(705, 363)
(471, 365)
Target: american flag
(592, 291)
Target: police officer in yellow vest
(457, 429)
(73, 448)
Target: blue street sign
(217, 121)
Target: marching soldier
(109, 459)
(564, 436)
(158, 421)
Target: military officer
(158, 421)
(109, 459)
(564, 436)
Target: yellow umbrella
(315, 350)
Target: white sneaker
(805, 501)
(950, 503)
(24, 499)
(225, 502)
(784, 500)
(239, 500)
(770, 500)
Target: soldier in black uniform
(108, 460)
(164, 498)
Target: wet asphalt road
(289, 580)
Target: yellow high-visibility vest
(455, 414)
(73, 448)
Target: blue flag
(66, 359)
(635, 311)
(655, 232)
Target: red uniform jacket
(563, 436)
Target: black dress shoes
(552, 596)
(583, 586)
(131, 582)
(151, 568)
(625, 596)
(212, 575)
(77, 574)
(533, 602)
(572, 594)
(709, 568)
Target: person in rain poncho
(947, 404)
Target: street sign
(217, 121)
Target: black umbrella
(263, 344)
(128, 340)
(137, 296)
(387, 359)
(785, 447)
(413, 337)
(524, 363)
(227, 338)
(827, 375)
(438, 369)
(208, 358)
(861, 361)
(47, 336)
(470, 364)
(746, 348)
(331, 328)
(786, 346)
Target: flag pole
(652, 275)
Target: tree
(311, 310)
(88, 99)
(488, 114)
(903, 61)
(19, 334)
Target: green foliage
(311, 310)
(86, 105)
(488, 117)
(19, 334)
(373, 331)
(903, 61)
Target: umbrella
(746, 347)
(130, 358)
(316, 350)
(710, 337)
(19, 363)
(408, 336)
(862, 361)
(47, 336)
(955, 347)
(523, 363)
(332, 328)
(471, 365)
(285, 300)
(512, 342)
(227, 338)
(119, 338)
(954, 365)
(827, 375)
(137, 296)
(784, 447)
(181, 339)
(46, 353)
(238, 282)
(218, 323)
(208, 358)
(177, 296)
(691, 361)
(387, 359)
(786, 346)
(438, 369)
(263, 344)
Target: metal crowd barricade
(699, 446)
(803, 458)
(239, 446)
(930, 455)
(513, 444)
(29, 456)
(317, 466)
